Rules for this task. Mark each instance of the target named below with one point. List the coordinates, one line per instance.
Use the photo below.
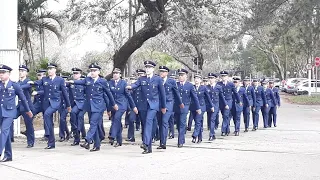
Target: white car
(289, 85)
(303, 87)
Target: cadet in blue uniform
(77, 99)
(131, 115)
(172, 96)
(64, 132)
(153, 89)
(122, 97)
(140, 99)
(228, 89)
(187, 92)
(260, 103)
(38, 99)
(8, 92)
(96, 90)
(216, 95)
(247, 107)
(27, 90)
(273, 109)
(203, 97)
(237, 108)
(171, 119)
(53, 87)
(271, 102)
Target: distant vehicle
(303, 87)
(290, 83)
(293, 89)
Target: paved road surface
(290, 151)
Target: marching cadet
(172, 96)
(131, 115)
(270, 102)
(153, 89)
(187, 91)
(53, 87)
(247, 107)
(96, 91)
(8, 92)
(203, 97)
(64, 132)
(273, 109)
(27, 90)
(259, 104)
(122, 97)
(77, 99)
(172, 119)
(205, 81)
(216, 94)
(228, 89)
(236, 107)
(140, 100)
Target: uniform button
(147, 99)
(48, 98)
(90, 99)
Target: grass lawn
(305, 99)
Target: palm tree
(33, 17)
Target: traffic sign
(317, 61)
(309, 66)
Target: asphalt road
(290, 151)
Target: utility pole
(129, 64)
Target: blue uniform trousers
(213, 116)
(116, 128)
(181, 124)
(164, 126)
(272, 116)
(256, 116)
(190, 119)
(246, 117)
(138, 123)
(5, 138)
(63, 126)
(198, 128)
(226, 117)
(49, 125)
(148, 127)
(93, 132)
(142, 116)
(265, 115)
(132, 117)
(171, 124)
(29, 127)
(77, 122)
(236, 115)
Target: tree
(33, 17)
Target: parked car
(303, 87)
(290, 84)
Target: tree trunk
(155, 25)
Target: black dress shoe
(194, 140)
(146, 152)
(131, 140)
(236, 134)
(212, 138)
(75, 144)
(275, 125)
(94, 149)
(24, 133)
(117, 145)
(162, 147)
(254, 129)
(49, 147)
(30, 146)
(85, 145)
(171, 137)
(180, 145)
(199, 141)
(227, 134)
(68, 137)
(12, 139)
(111, 141)
(137, 129)
(83, 138)
(188, 129)
(5, 159)
(144, 147)
(223, 134)
(61, 139)
(246, 130)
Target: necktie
(116, 82)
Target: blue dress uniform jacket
(217, 98)
(187, 91)
(243, 98)
(52, 91)
(8, 113)
(26, 87)
(77, 95)
(121, 95)
(271, 100)
(276, 95)
(251, 96)
(95, 99)
(204, 99)
(38, 100)
(153, 91)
